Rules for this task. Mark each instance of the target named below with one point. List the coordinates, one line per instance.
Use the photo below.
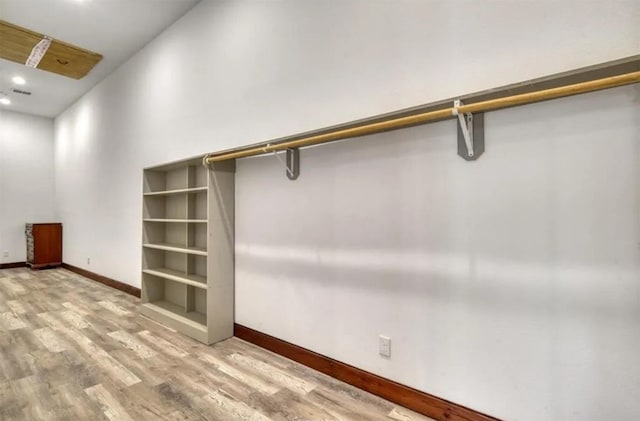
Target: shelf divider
(191, 190)
(188, 221)
(200, 251)
(177, 276)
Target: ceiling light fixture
(5, 101)
(18, 80)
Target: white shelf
(177, 276)
(189, 221)
(175, 312)
(199, 251)
(177, 191)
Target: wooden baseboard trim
(423, 403)
(13, 265)
(104, 280)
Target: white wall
(26, 179)
(508, 285)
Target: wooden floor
(73, 349)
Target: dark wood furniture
(44, 245)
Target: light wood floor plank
(109, 364)
(232, 408)
(16, 306)
(249, 379)
(74, 349)
(76, 309)
(111, 408)
(115, 309)
(10, 321)
(50, 339)
(160, 344)
(279, 376)
(132, 344)
(74, 319)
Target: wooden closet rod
(441, 114)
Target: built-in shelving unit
(187, 248)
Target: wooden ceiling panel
(61, 58)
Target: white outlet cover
(385, 346)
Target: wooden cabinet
(44, 245)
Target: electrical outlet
(88, 260)
(5, 254)
(385, 346)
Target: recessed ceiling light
(18, 80)
(5, 101)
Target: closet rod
(445, 113)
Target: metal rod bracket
(293, 163)
(470, 133)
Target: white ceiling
(117, 29)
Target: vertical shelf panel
(200, 177)
(200, 301)
(220, 267)
(190, 299)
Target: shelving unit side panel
(220, 267)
